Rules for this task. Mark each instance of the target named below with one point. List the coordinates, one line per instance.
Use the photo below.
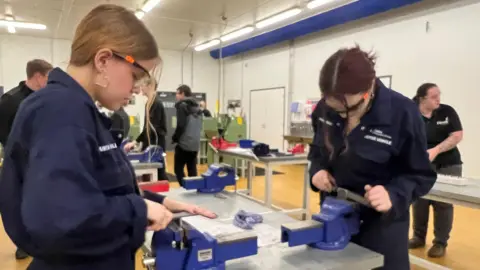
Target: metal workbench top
(247, 154)
(468, 195)
(146, 166)
(277, 256)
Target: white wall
(447, 54)
(16, 51)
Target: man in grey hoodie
(187, 133)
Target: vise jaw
(182, 247)
(214, 180)
(330, 230)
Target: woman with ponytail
(370, 140)
(68, 194)
(443, 132)
(155, 124)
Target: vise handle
(346, 194)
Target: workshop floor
(287, 191)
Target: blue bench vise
(182, 247)
(152, 154)
(214, 180)
(332, 229)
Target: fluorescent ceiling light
(11, 29)
(318, 3)
(327, 3)
(16, 24)
(207, 45)
(237, 33)
(278, 18)
(139, 14)
(149, 5)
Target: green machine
(231, 128)
(209, 131)
(134, 127)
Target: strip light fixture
(313, 4)
(323, 3)
(147, 6)
(278, 17)
(319, 3)
(207, 45)
(237, 33)
(9, 17)
(17, 24)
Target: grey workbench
(468, 196)
(142, 168)
(279, 255)
(146, 166)
(269, 162)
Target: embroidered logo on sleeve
(107, 147)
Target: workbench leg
(154, 176)
(250, 177)
(242, 164)
(268, 185)
(235, 167)
(306, 193)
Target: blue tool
(214, 180)
(333, 228)
(152, 154)
(182, 247)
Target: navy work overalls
(68, 193)
(387, 148)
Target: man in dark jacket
(37, 76)
(187, 133)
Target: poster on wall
(168, 99)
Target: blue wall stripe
(354, 11)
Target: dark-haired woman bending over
(370, 140)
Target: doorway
(267, 116)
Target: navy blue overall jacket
(68, 194)
(387, 148)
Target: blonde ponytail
(150, 99)
(151, 93)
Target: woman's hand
(197, 210)
(324, 181)
(158, 216)
(175, 206)
(129, 146)
(433, 153)
(379, 198)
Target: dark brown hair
(347, 72)
(38, 66)
(422, 91)
(112, 27)
(185, 90)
